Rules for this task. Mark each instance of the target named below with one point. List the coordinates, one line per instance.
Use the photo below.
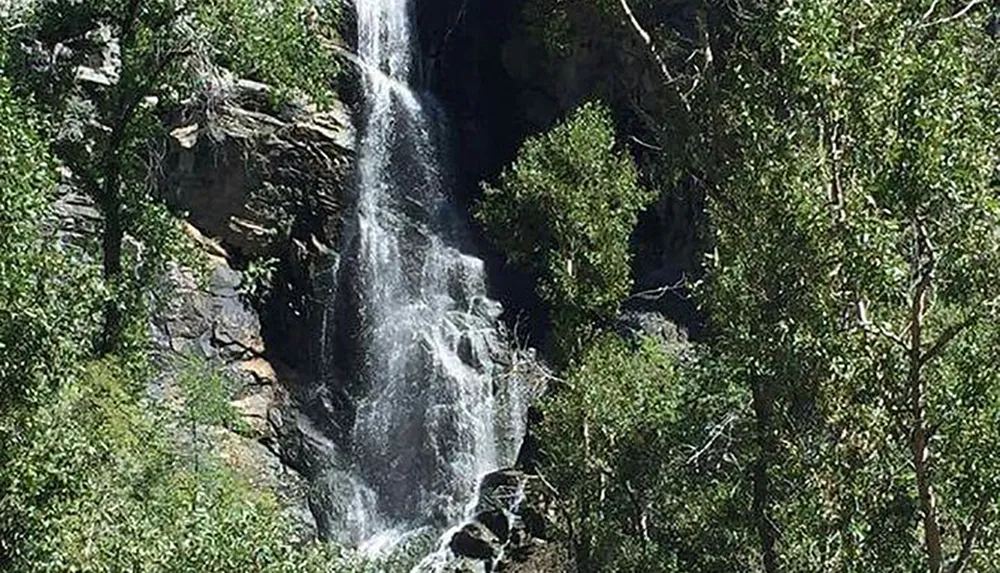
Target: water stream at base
(413, 329)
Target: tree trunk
(111, 247)
(763, 406)
(928, 505)
(110, 197)
(919, 435)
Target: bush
(103, 485)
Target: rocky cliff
(261, 186)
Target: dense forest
(754, 243)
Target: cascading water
(413, 331)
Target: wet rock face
(461, 44)
(476, 541)
(499, 82)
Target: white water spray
(415, 326)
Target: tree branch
(714, 435)
(947, 336)
(969, 538)
(648, 40)
(929, 11)
(923, 270)
(954, 16)
(877, 329)
(660, 291)
(128, 25)
(644, 144)
(147, 87)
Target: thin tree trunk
(763, 405)
(919, 435)
(112, 236)
(111, 246)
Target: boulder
(496, 522)
(476, 541)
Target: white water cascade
(414, 330)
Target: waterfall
(413, 332)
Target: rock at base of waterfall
(475, 540)
(514, 530)
(497, 523)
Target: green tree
(108, 121)
(204, 404)
(287, 44)
(851, 282)
(46, 303)
(40, 319)
(564, 211)
(637, 441)
(849, 153)
(104, 122)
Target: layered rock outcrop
(207, 322)
(257, 174)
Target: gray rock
(74, 217)
(213, 321)
(513, 529)
(632, 324)
(256, 177)
(497, 523)
(209, 320)
(476, 541)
